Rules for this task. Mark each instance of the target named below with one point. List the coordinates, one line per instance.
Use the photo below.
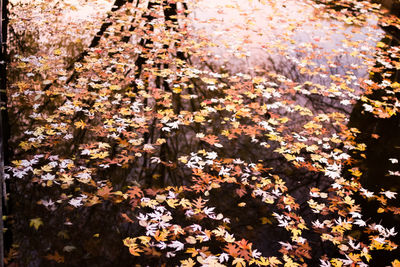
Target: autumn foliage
(198, 134)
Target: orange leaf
(55, 257)
(135, 192)
(232, 250)
(126, 217)
(104, 192)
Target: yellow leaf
(176, 90)
(192, 251)
(188, 263)
(367, 256)
(21, 65)
(80, 124)
(395, 85)
(348, 200)
(57, 52)
(185, 203)
(145, 239)
(25, 145)
(380, 44)
(229, 238)
(258, 79)
(312, 125)
(265, 220)
(199, 118)
(36, 223)
(66, 179)
(241, 204)
(296, 232)
(183, 159)
(50, 132)
(172, 202)
(354, 257)
(115, 87)
(220, 231)
(336, 263)
(239, 262)
(100, 155)
(47, 168)
(160, 141)
(356, 172)
(284, 120)
(290, 157)
(117, 193)
(312, 148)
(129, 241)
(261, 262)
(396, 263)
(161, 235)
(274, 261)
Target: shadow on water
(380, 168)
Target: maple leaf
(57, 52)
(219, 232)
(243, 244)
(241, 191)
(396, 263)
(188, 263)
(55, 257)
(192, 251)
(239, 262)
(36, 223)
(135, 250)
(161, 235)
(93, 201)
(172, 202)
(261, 261)
(126, 217)
(115, 87)
(80, 124)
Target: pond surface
(308, 63)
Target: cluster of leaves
(348, 11)
(154, 120)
